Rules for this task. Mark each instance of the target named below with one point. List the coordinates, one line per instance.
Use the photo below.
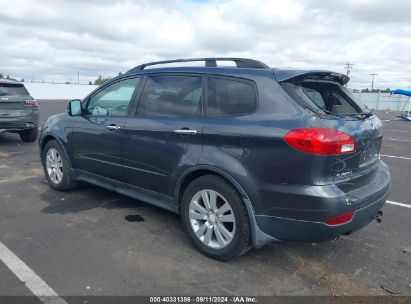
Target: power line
(372, 81)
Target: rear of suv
(18, 110)
(246, 155)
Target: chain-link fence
(382, 101)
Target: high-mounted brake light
(321, 141)
(341, 219)
(31, 103)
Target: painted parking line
(32, 281)
(393, 156)
(398, 204)
(395, 139)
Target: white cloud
(50, 40)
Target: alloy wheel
(212, 219)
(54, 165)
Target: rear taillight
(341, 219)
(31, 103)
(321, 141)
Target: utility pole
(348, 67)
(372, 81)
(78, 77)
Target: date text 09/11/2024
(204, 299)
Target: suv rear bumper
(19, 123)
(318, 205)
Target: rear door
(12, 100)
(164, 138)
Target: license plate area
(370, 151)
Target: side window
(230, 97)
(113, 100)
(169, 95)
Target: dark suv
(246, 155)
(18, 110)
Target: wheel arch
(259, 238)
(49, 137)
(189, 175)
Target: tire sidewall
(66, 180)
(29, 135)
(235, 201)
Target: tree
(100, 80)
(119, 73)
(22, 80)
(1, 75)
(366, 90)
(90, 83)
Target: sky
(55, 40)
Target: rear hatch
(368, 136)
(322, 94)
(13, 100)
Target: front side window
(172, 96)
(113, 100)
(228, 97)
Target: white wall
(58, 91)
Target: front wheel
(57, 167)
(29, 135)
(215, 218)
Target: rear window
(328, 96)
(13, 90)
(228, 97)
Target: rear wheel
(29, 135)
(57, 167)
(215, 218)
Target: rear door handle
(113, 127)
(186, 131)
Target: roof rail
(209, 62)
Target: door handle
(113, 127)
(186, 131)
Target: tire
(216, 244)
(60, 179)
(29, 135)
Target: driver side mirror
(74, 107)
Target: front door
(98, 133)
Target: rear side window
(228, 97)
(13, 90)
(172, 96)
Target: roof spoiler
(298, 75)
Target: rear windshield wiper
(365, 114)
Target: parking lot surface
(92, 241)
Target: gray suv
(245, 155)
(19, 112)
